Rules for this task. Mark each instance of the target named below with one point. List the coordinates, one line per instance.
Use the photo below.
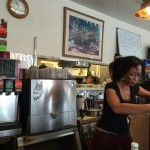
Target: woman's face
(133, 75)
(89, 80)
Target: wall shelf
(90, 89)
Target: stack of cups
(64, 74)
(40, 73)
(36, 74)
(49, 73)
(58, 73)
(52, 73)
(46, 73)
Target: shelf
(90, 89)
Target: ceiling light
(144, 12)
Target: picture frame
(129, 44)
(83, 35)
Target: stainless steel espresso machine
(47, 105)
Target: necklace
(124, 92)
(126, 99)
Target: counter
(86, 128)
(87, 119)
(140, 130)
(140, 125)
(33, 140)
(8, 135)
(10, 129)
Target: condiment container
(134, 146)
(100, 96)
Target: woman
(89, 79)
(110, 67)
(42, 66)
(113, 129)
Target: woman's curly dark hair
(123, 64)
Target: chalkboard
(129, 44)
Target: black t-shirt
(111, 121)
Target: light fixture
(144, 12)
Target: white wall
(45, 21)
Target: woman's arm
(143, 92)
(125, 108)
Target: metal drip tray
(10, 129)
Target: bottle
(134, 146)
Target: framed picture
(129, 44)
(83, 36)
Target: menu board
(129, 44)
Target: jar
(134, 146)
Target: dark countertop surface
(9, 125)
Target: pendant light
(144, 11)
